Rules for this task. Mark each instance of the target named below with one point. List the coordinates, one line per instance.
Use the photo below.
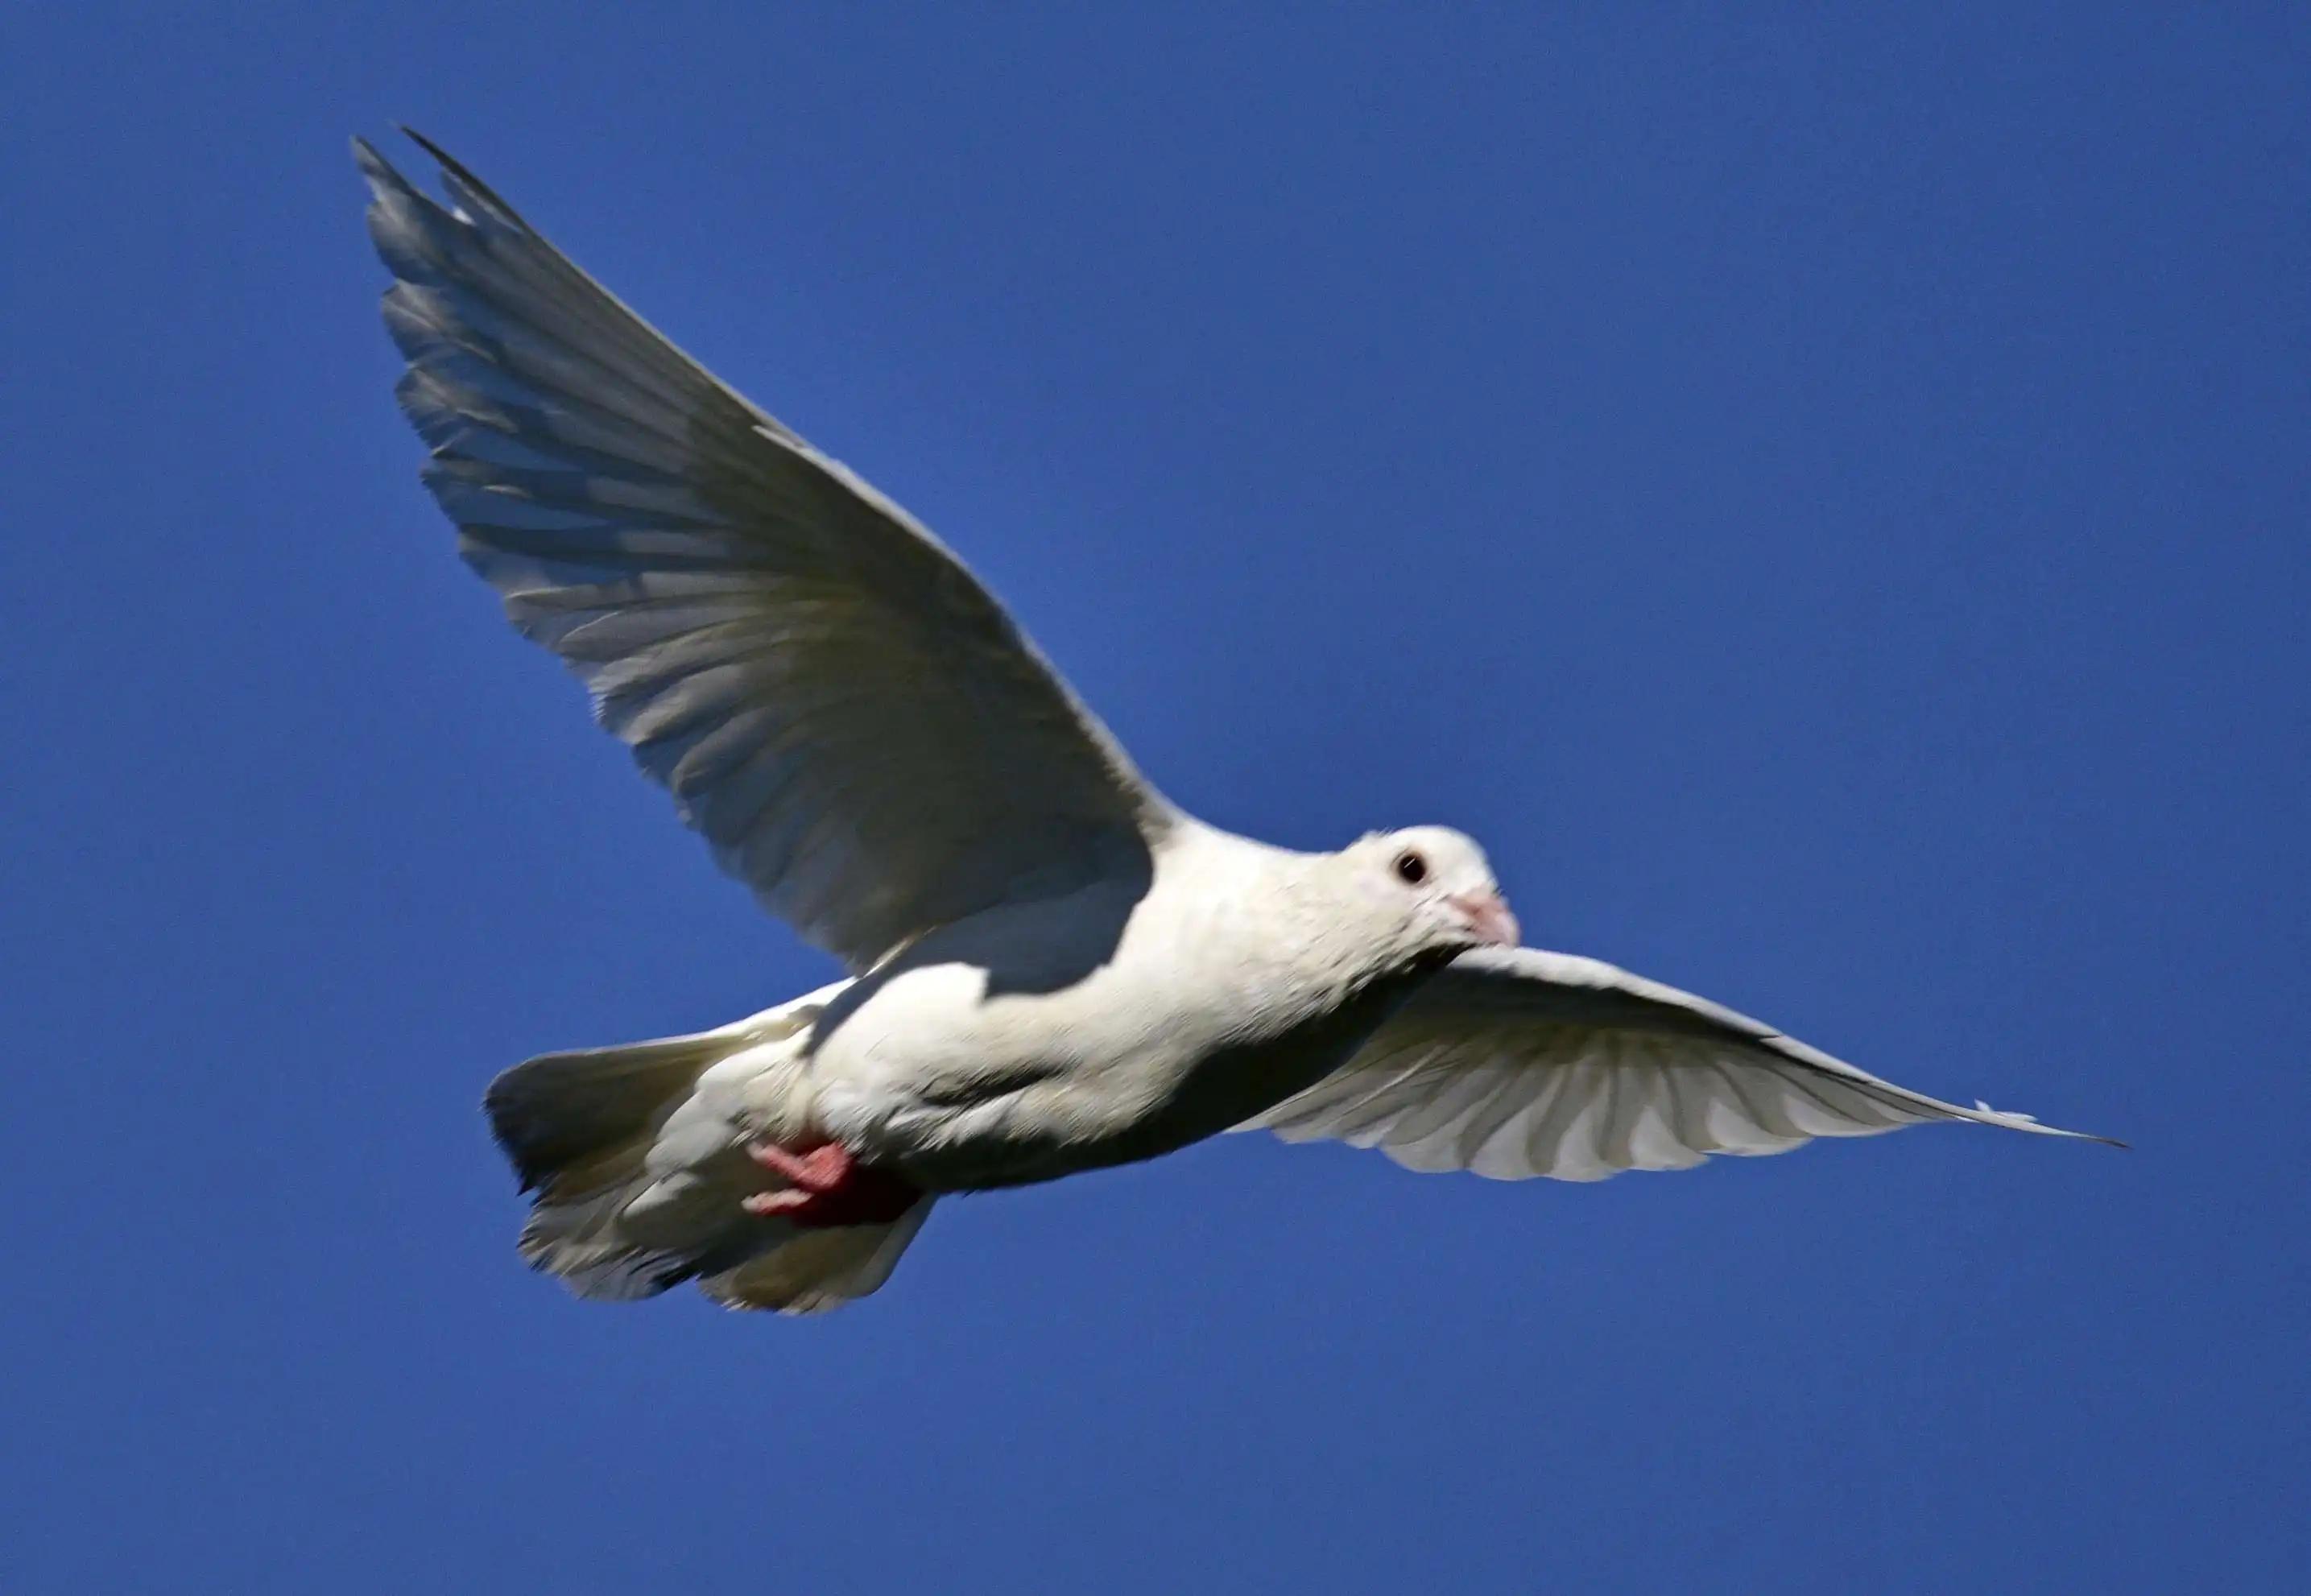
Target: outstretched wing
(1516, 1062)
(855, 725)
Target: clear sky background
(1823, 498)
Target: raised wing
(1516, 1062)
(851, 720)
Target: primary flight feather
(1053, 968)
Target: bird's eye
(1411, 868)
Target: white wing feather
(851, 720)
(1515, 1063)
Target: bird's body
(1054, 969)
(983, 1056)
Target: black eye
(1411, 868)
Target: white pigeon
(1055, 969)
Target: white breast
(996, 1050)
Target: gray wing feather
(850, 718)
(1515, 1063)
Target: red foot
(826, 1186)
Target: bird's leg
(826, 1186)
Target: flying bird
(1053, 968)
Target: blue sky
(1822, 498)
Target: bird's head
(1435, 886)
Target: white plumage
(1513, 1062)
(1054, 968)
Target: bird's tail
(638, 1157)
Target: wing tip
(460, 180)
(382, 174)
(462, 183)
(441, 157)
(1981, 1114)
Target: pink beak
(1487, 915)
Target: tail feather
(582, 1243)
(556, 1114)
(637, 1156)
(818, 1269)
